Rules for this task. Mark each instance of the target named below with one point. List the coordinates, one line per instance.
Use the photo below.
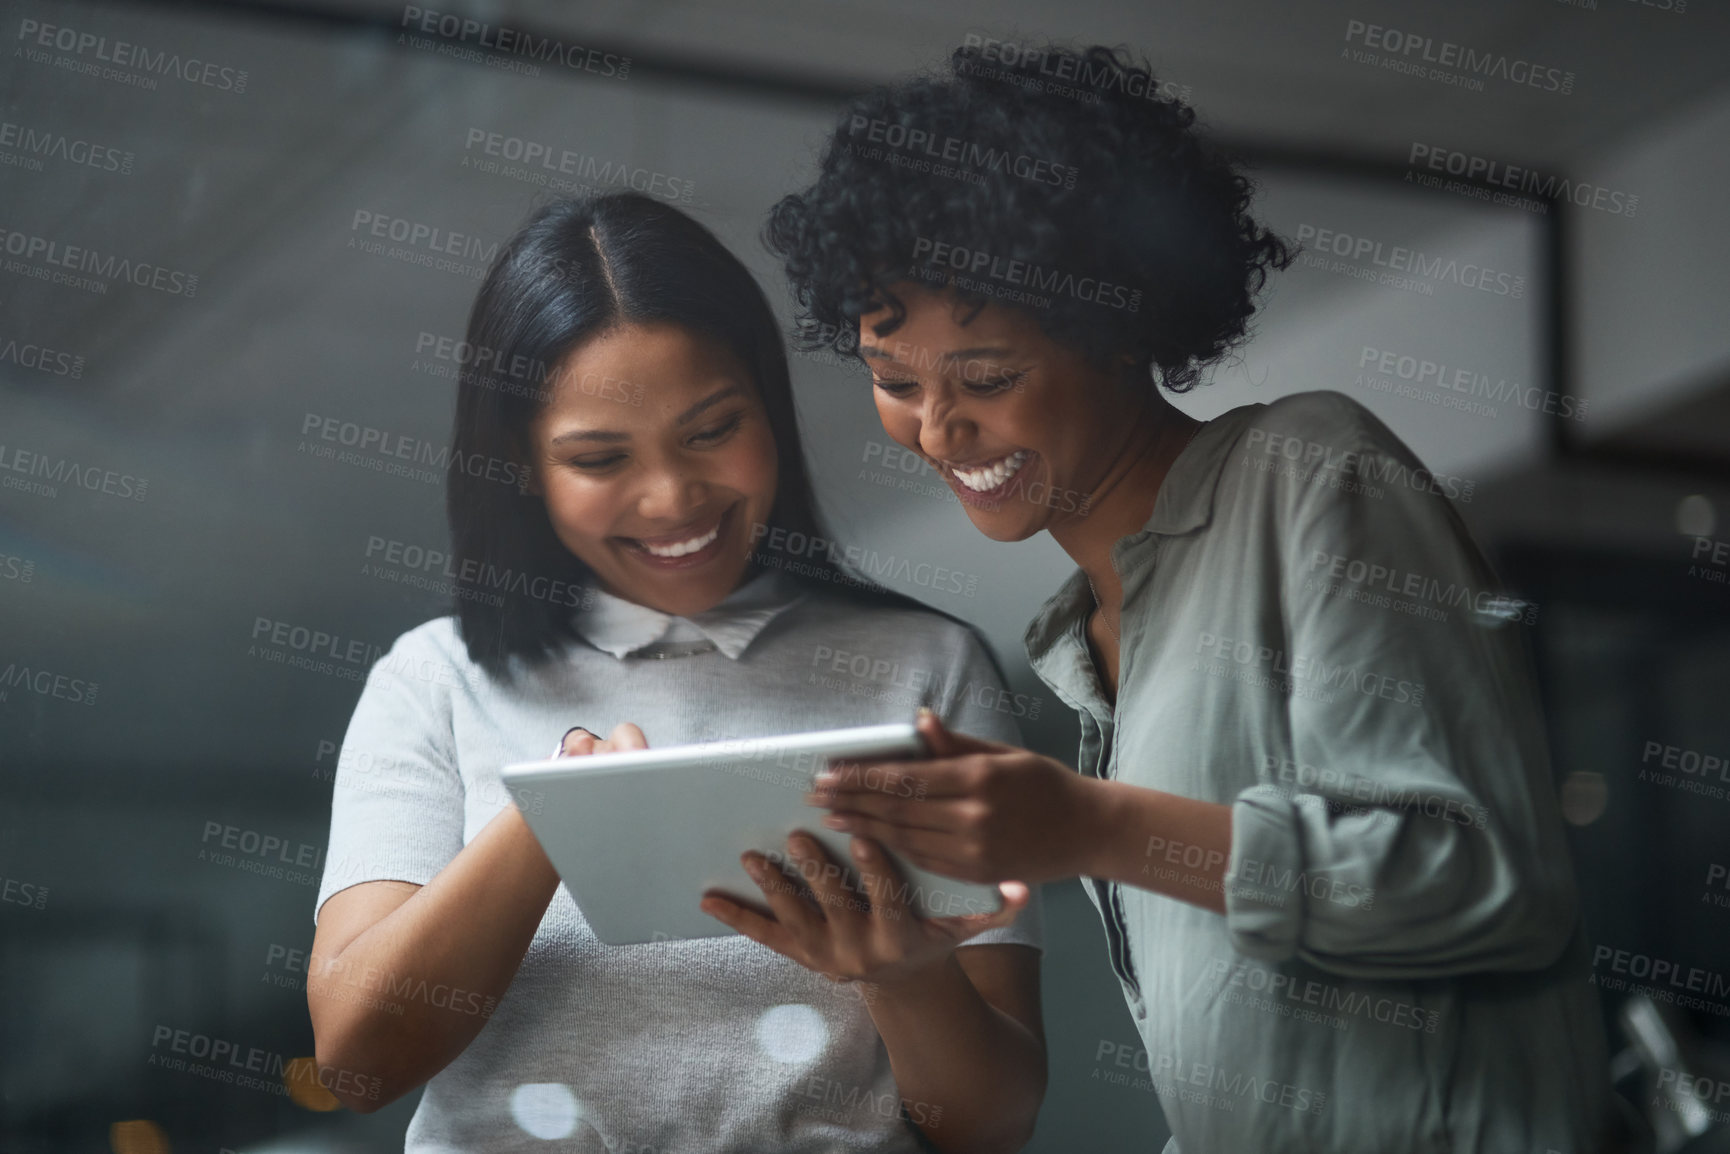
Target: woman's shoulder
(1313, 442)
(438, 633)
(1319, 425)
(893, 624)
(432, 651)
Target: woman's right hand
(579, 741)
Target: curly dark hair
(1053, 169)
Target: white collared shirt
(623, 628)
(620, 627)
(714, 1045)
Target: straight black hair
(580, 268)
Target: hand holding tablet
(850, 926)
(640, 835)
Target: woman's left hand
(846, 932)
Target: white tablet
(640, 836)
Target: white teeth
(986, 479)
(683, 547)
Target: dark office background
(141, 595)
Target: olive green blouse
(1310, 636)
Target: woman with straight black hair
(625, 441)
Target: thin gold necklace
(1098, 602)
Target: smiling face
(1022, 428)
(655, 459)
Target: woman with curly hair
(1314, 806)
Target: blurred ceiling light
(1695, 516)
(1584, 797)
(546, 1109)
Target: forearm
(972, 1076)
(409, 994)
(1158, 841)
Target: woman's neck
(1123, 501)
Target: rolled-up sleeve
(1409, 828)
(397, 806)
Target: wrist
(918, 983)
(1092, 827)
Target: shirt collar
(1184, 505)
(620, 627)
(1185, 501)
